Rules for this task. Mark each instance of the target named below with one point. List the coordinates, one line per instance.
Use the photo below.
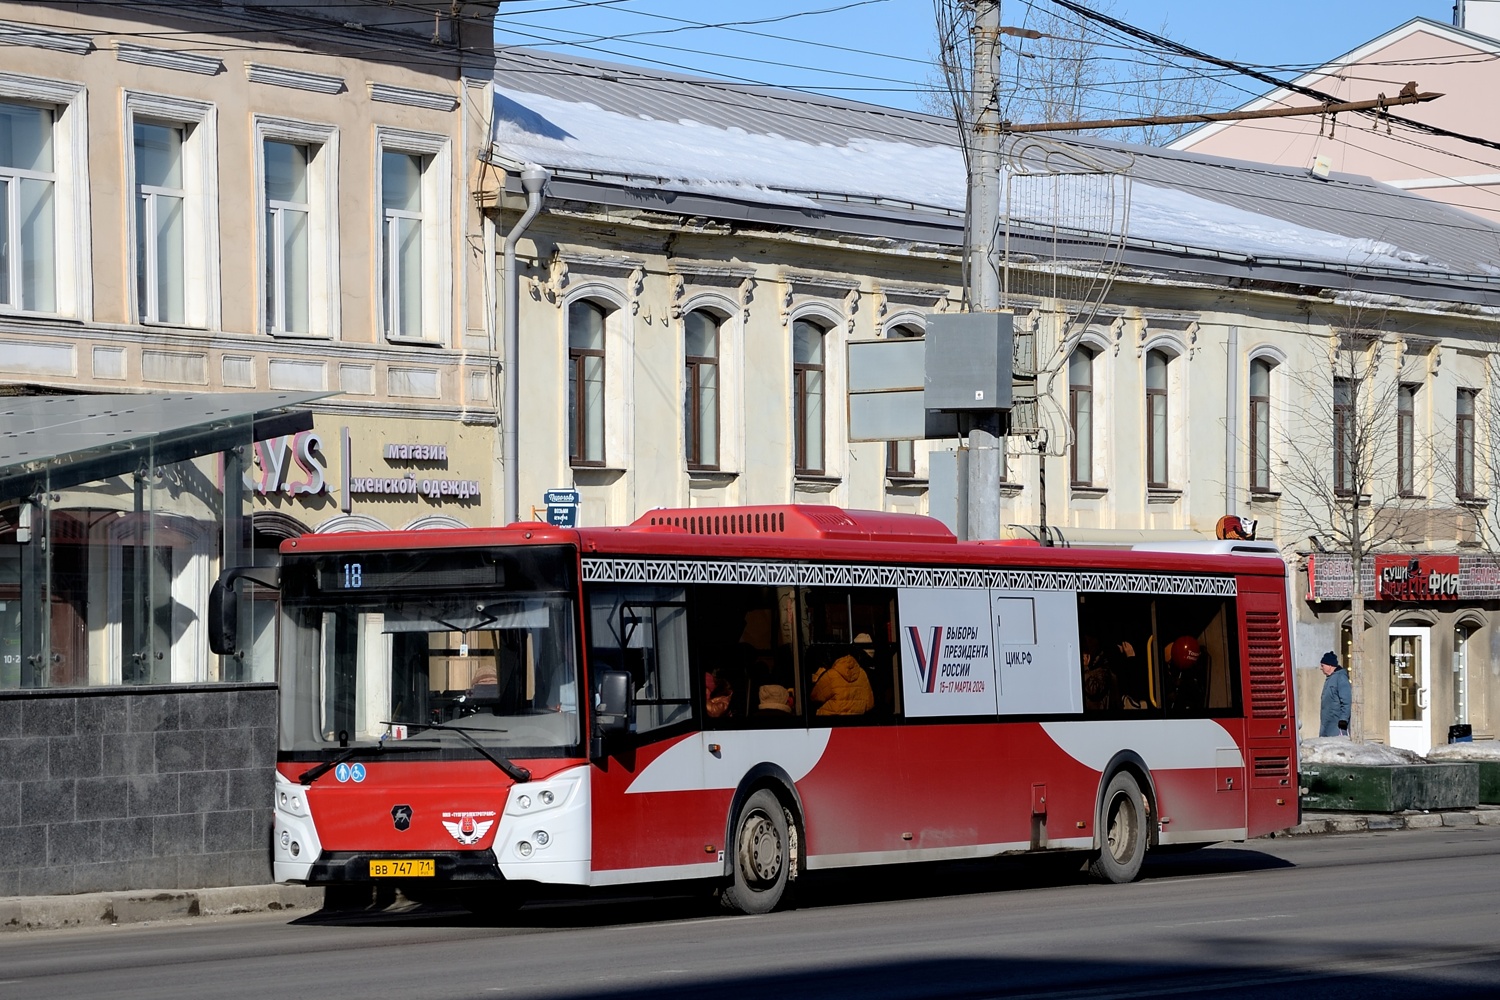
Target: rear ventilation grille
(1267, 641)
(1274, 768)
(769, 522)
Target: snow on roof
(778, 148)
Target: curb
(1315, 823)
(104, 909)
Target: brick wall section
(108, 789)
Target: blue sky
(879, 50)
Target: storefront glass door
(1411, 682)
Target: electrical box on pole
(967, 364)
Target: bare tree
(1340, 469)
(1056, 68)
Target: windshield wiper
(515, 772)
(317, 771)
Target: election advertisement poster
(1036, 652)
(947, 652)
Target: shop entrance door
(1411, 682)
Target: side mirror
(224, 608)
(223, 617)
(614, 702)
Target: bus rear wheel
(762, 858)
(1122, 827)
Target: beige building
(704, 254)
(209, 213)
(245, 198)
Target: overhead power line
(1255, 74)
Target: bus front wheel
(762, 857)
(1122, 828)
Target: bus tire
(762, 856)
(1122, 831)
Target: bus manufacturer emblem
(401, 816)
(466, 828)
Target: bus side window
(643, 630)
(1117, 654)
(1199, 665)
(744, 659)
(850, 652)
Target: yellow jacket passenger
(843, 689)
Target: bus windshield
(413, 645)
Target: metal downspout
(533, 181)
(1232, 422)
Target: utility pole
(985, 440)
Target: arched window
(586, 383)
(1081, 415)
(1156, 418)
(700, 389)
(809, 396)
(900, 456)
(1260, 425)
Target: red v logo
(927, 659)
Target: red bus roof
(791, 531)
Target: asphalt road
(1406, 914)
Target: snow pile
(1339, 750)
(1482, 752)
(692, 157)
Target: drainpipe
(533, 181)
(1232, 422)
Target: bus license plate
(404, 868)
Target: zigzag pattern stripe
(786, 574)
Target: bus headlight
(524, 848)
(541, 838)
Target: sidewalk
(107, 909)
(1344, 822)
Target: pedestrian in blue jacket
(1338, 697)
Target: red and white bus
(746, 694)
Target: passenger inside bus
(843, 687)
(1166, 654)
(1186, 666)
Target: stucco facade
(233, 87)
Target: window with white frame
(415, 257)
(173, 172)
(28, 225)
(299, 238)
(160, 282)
(45, 255)
(288, 231)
